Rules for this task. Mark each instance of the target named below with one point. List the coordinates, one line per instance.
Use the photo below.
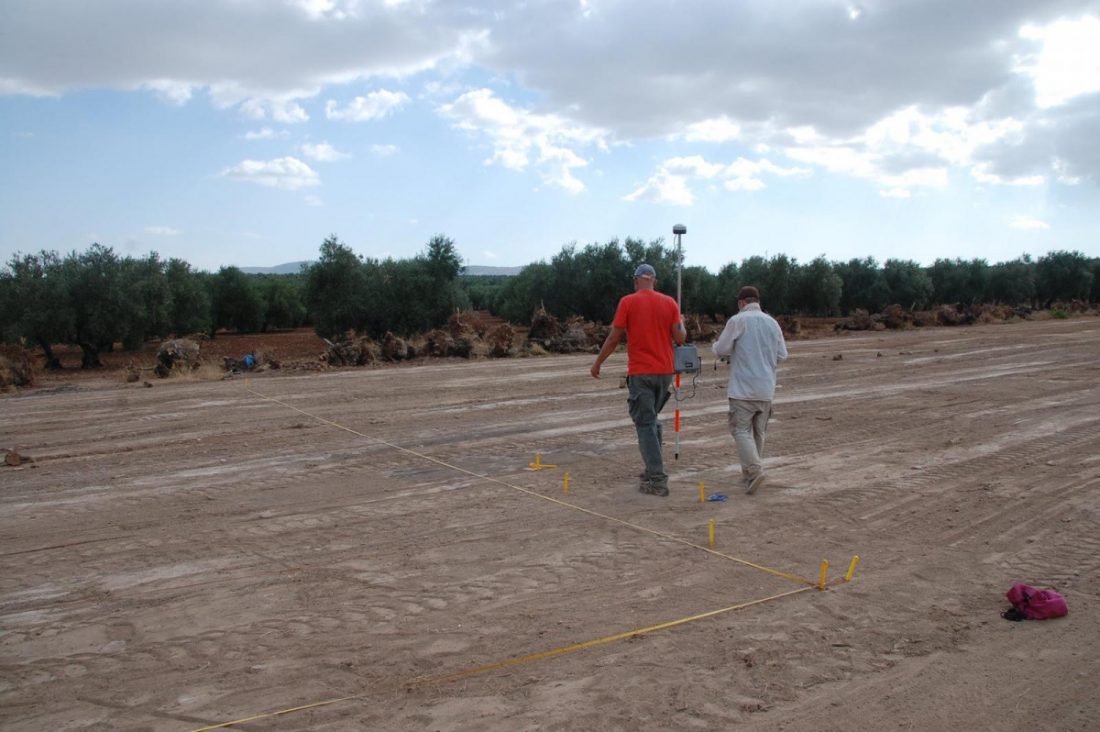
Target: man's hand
(595, 370)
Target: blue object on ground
(716, 497)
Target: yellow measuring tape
(268, 715)
(541, 655)
(455, 675)
(521, 489)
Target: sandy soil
(203, 551)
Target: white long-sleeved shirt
(754, 342)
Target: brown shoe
(755, 483)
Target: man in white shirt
(754, 343)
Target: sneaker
(755, 483)
(652, 489)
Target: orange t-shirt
(648, 317)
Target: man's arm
(609, 346)
(679, 332)
(724, 345)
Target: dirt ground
(373, 543)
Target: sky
(244, 132)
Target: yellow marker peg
(851, 568)
(710, 533)
(702, 493)
(824, 571)
(566, 482)
(539, 464)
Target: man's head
(644, 277)
(747, 294)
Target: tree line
(97, 299)
(588, 282)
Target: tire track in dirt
(913, 499)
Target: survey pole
(678, 230)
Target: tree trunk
(90, 357)
(52, 362)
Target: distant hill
(475, 270)
(288, 268)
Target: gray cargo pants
(647, 395)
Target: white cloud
(313, 201)
(384, 151)
(910, 149)
(174, 92)
(1068, 65)
(286, 173)
(322, 152)
(663, 187)
(717, 129)
(162, 231)
(1006, 92)
(521, 138)
(671, 183)
(292, 50)
(264, 133)
(330, 9)
(1028, 223)
(982, 173)
(694, 166)
(490, 255)
(283, 111)
(375, 105)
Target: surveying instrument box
(685, 359)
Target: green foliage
(701, 293)
(149, 300)
(525, 292)
(96, 299)
(412, 302)
(910, 286)
(727, 284)
(282, 299)
(1012, 283)
(189, 300)
(582, 280)
(589, 282)
(344, 291)
(443, 262)
(863, 286)
(103, 312)
(483, 291)
(657, 254)
(960, 282)
(754, 272)
(1063, 276)
(236, 300)
(817, 289)
(337, 292)
(37, 303)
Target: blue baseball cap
(645, 270)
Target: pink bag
(1029, 603)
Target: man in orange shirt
(651, 322)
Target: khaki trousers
(748, 422)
